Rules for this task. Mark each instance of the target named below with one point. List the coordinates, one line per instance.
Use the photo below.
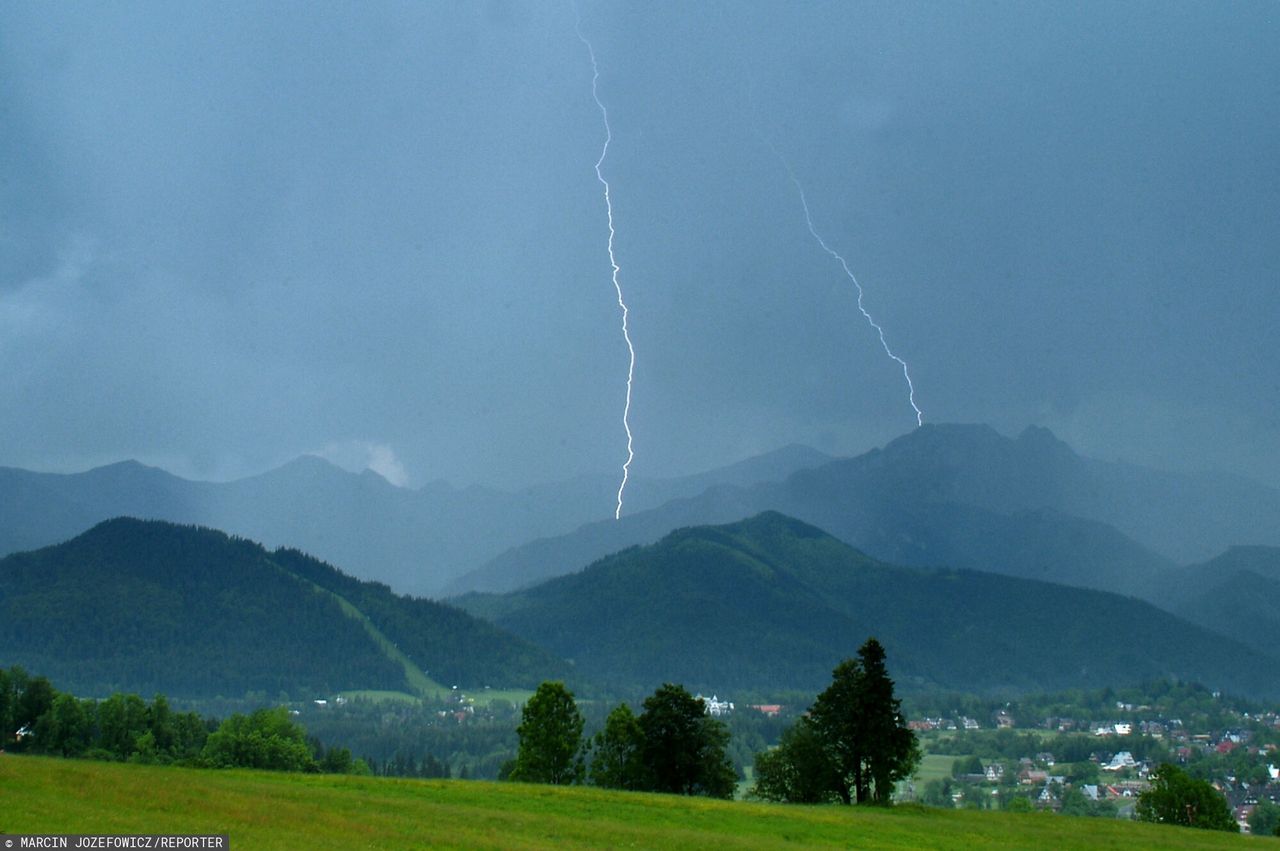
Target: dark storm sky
(234, 233)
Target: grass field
(514, 696)
(934, 766)
(414, 675)
(376, 696)
(262, 810)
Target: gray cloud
(233, 234)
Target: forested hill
(963, 496)
(1237, 593)
(772, 603)
(145, 606)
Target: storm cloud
(231, 234)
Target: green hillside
(266, 811)
(772, 603)
(1237, 593)
(146, 606)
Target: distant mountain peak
(127, 464)
(310, 463)
(760, 528)
(1042, 438)
(967, 438)
(306, 469)
(129, 468)
(931, 435)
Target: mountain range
(945, 509)
(766, 605)
(771, 602)
(959, 496)
(413, 540)
(1237, 594)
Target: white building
(715, 706)
(1122, 760)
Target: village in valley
(1098, 764)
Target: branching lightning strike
(622, 304)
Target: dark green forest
(771, 603)
(452, 646)
(146, 606)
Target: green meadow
(933, 766)
(263, 810)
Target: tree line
(671, 746)
(853, 745)
(37, 718)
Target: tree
(122, 720)
(1019, 804)
(862, 724)
(617, 761)
(799, 770)
(838, 716)
(684, 748)
(160, 721)
(1265, 819)
(892, 752)
(268, 738)
(1075, 803)
(1177, 798)
(550, 738)
(35, 699)
(937, 793)
(65, 729)
(7, 700)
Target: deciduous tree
(1177, 798)
(1265, 819)
(550, 738)
(684, 748)
(617, 761)
(267, 738)
(799, 770)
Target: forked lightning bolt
(608, 204)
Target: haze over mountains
(766, 605)
(1237, 594)
(961, 496)
(413, 540)
(773, 602)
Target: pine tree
(865, 744)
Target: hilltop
(145, 606)
(772, 603)
(414, 540)
(963, 496)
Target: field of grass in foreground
(263, 810)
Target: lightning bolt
(808, 220)
(613, 261)
(884, 344)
